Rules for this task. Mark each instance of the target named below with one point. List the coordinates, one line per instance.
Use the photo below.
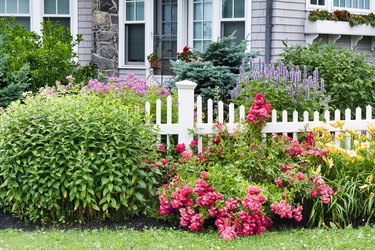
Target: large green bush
(349, 76)
(75, 157)
(50, 56)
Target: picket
(186, 120)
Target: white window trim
(149, 41)
(329, 7)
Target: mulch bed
(138, 223)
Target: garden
(79, 150)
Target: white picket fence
(186, 118)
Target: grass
(362, 238)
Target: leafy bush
(349, 77)
(51, 56)
(67, 157)
(286, 87)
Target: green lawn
(362, 238)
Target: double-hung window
(134, 32)
(318, 2)
(20, 9)
(352, 4)
(233, 19)
(57, 11)
(202, 24)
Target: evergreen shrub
(76, 157)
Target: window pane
(63, 7)
(166, 29)
(24, 21)
(367, 4)
(239, 8)
(140, 10)
(2, 6)
(24, 6)
(174, 28)
(207, 11)
(49, 6)
(197, 30)
(174, 12)
(167, 13)
(238, 27)
(135, 39)
(198, 11)
(197, 45)
(348, 4)
(336, 3)
(321, 2)
(65, 21)
(130, 11)
(207, 30)
(11, 7)
(227, 8)
(313, 1)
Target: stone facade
(105, 35)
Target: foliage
(152, 56)
(286, 87)
(13, 82)
(348, 76)
(76, 157)
(342, 15)
(216, 71)
(237, 178)
(51, 56)
(214, 82)
(350, 170)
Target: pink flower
(204, 175)
(254, 190)
(300, 176)
(164, 161)
(314, 193)
(278, 182)
(194, 143)
(259, 99)
(161, 147)
(180, 148)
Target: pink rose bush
(241, 183)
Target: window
(202, 24)
(165, 33)
(134, 32)
(233, 16)
(20, 9)
(57, 11)
(317, 2)
(353, 4)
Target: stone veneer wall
(105, 35)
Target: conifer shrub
(76, 157)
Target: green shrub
(349, 76)
(75, 157)
(12, 82)
(216, 71)
(51, 56)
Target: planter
(335, 29)
(154, 64)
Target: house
(119, 34)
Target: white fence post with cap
(185, 110)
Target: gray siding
(288, 20)
(85, 28)
(258, 25)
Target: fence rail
(186, 117)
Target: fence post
(185, 110)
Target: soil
(138, 223)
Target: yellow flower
(340, 136)
(371, 128)
(318, 129)
(353, 133)
(338, 124)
